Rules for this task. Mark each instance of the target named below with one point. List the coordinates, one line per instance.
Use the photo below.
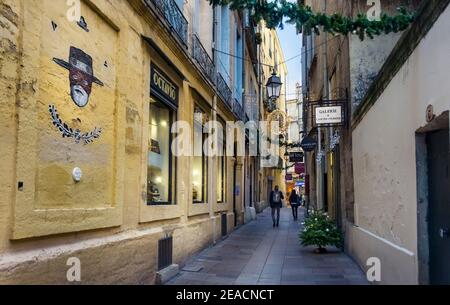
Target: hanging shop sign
(289, 177)
(308, 144)
(163, 88)
(300, 183)
(329, 115)
(300, 168)
(296, 156)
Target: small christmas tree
(319, 230)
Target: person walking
(276, 203)
(295, 201)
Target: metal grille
(165, 250)
(203, 59)
(224, 90)
(238, 110)
(174, 16)
(224, 225)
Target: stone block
(165, 275)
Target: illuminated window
(221, 165)
(160, 161)
(200, 160)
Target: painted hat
(81, 61)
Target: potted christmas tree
(319, 230)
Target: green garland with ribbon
(276, 12)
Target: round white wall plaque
(77, 174)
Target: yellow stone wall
(104, 219)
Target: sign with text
(295, 157)
(163, 88)
(329, 115)
(308, 144)
(300, 168)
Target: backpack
(276, 197)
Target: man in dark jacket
(276, 203)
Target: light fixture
(274, 86)
(158, 180)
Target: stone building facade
(384, 204)
(86, 109)
(400, 166)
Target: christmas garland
(275, 12)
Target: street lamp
(274, 86)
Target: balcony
(174, 17)
(224, 91)
(238, 110)
(203, 59)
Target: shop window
(160, 162)
(221, 164)
(200, 160)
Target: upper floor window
(238, 66)
(224, 59)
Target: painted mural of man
(81, 75)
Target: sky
(291, 45)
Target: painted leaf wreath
(68, 132)
(275, 12)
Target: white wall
(385, 161)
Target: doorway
(269, 189)
(439, 206)
(337, 186)
(433, 201)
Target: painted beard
(79, 95)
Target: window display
(160, 159)
(200, 160)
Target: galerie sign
(329, 115)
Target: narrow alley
(258, 254)
(146, 142)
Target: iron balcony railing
(224, 90)
(238, 110)
(203, 59)
(174, 16)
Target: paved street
(259, 254)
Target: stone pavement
(258, 254)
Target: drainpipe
(212, 195)
(260, 110)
